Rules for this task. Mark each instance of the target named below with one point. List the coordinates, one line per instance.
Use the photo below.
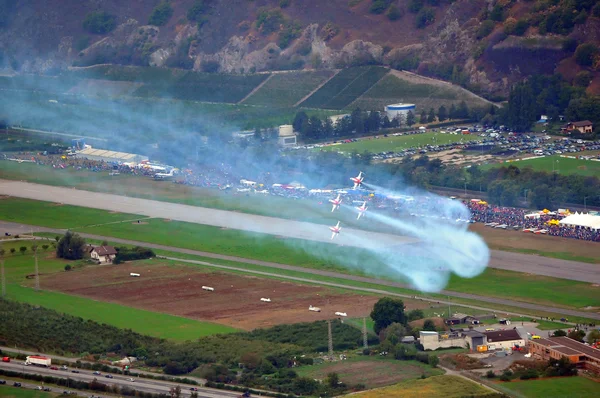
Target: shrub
(137, 253)
(485, 28)
(583, 79)
(425, 17)
(210, 66)
(284, 3)
(490, 374)
(161, 14)
(585, 54)
(414, 6)
(198, 10)
(379, 6)
(569, 44)
(521, 27)
(394, 13)
(68, 267)
(99, 22)
(268, 21)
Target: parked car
(16, 384)
(74, 371)
(131, 379)
(2, 381)
(97, 373)
(53, 367)
(109, 376)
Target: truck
(38, 360)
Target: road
(21, 229)
(280, 227)
(140, 384)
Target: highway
(140, 384)
(538, 265)
(23, 229)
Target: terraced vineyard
(286, 89)
(425, 93)
(345, 87)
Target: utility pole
(330, 340)
(364, 330)
(37, 270)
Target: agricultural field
(561, 165)
(373, 372)
(7, 391)
(286, 89)
(379, 144)
(559, 387)
(235, 302)
(345, 87)
(401, 87)
(436, 386)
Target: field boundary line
(307, 96)
(369, 89)
(344, 89)
(251, 93)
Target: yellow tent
(482, 202)
(546, 211)
(371, 195)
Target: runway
(280, 227)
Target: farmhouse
(102, 254)
(584, 356)
(584, 127)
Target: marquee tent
(582, 220)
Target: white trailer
(134, 274)
(266, 300)
(210, 289)
(314, 309)
(38, 360)
(341, 314)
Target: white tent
(582, 220)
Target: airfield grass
(558, 387)
(7, 391)
(493, 282)
(397, 143)
(436, 386)
(564, 166)
(370, 371)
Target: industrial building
(287, 137)
(399, 110)
(477, 341)
(584, 356)
(109, 156)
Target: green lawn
(572, 387)
(12, 392)
(285, 89)
(370, 371)
(398, 143)
(542, 325)
(565, 166)
(437, 386)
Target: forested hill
(485, 45)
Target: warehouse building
(104, 155)
(504, 339)
(399, 110)
(584, 356)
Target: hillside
(484, 45)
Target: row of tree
(360, 123)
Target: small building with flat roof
(584, 356)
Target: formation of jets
(335, 230)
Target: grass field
(559, 387)
(397, 143)
(419, 91)
(371, 371)
(493, 282)
(285, 89)
(345, 87)
(12, 392)
(565, 166)
(437, 386)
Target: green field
(398, 143)
(559, 387)
(565, 166)
(141, 321)
(345, 87)
(371, 371)
(12, 392)
(285, 89)
(493, 282)
(436, 386)
(421, 92)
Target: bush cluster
(99, 22)
(130, 254)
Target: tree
(70, 246)
(45, 247)
(462, 112)
(429, 325)
(394, 13)
(585, 54)
(161, 14)
(415, 314)
(559, 333)
(68, 267)
(378, 6)
(393, 333)
(576, 335)
(12, 250)
(433, 360)
(299, 120)
(23, 249)
(452, 113)
(99, 22)
(333, 379)
(521, 107)
(410, 119)
(593, 337)
(442, 113)
(431, 116)
(387, 311)
(197, 12)
(425, 17)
